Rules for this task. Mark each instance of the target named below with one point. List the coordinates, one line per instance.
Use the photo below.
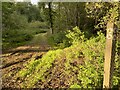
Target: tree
(50, 17)
(30, 11)
(7, 9)
(101, 13)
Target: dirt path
(16, 58)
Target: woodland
(57, 44)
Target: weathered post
(109, 55)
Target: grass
(34, 31)
(39, 39)
(14, 38)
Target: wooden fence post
(109, 55)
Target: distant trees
(90, 17)
(7, 9)
(67, 15)
(17, 15)
(102, 12)
(32, 12)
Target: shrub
(85, 61)
(83, 64)
(65, 39)
(17, 21)
(29, 68)
(116, 73)
(38, 24)
(58, 40)
(13, 38)
(75, 86)
(75, 35)
(36, 70)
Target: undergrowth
(83, 66)
(35, 70)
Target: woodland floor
(14, 60)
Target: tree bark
(51, 17)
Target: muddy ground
(14, 60)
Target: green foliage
(17, 21)
(13, 38)
(36, 70)
(116, 76)
(90, 73)
(75, 35)
(7, 9)
(30, 11)
(16, 37)
(75, 86)
(102, 13)
(17, 15)
(65, 39)
(38, 24)
(29, 68)
(84, 61)
(58, 40)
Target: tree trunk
(77, 15)
(51, 17)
